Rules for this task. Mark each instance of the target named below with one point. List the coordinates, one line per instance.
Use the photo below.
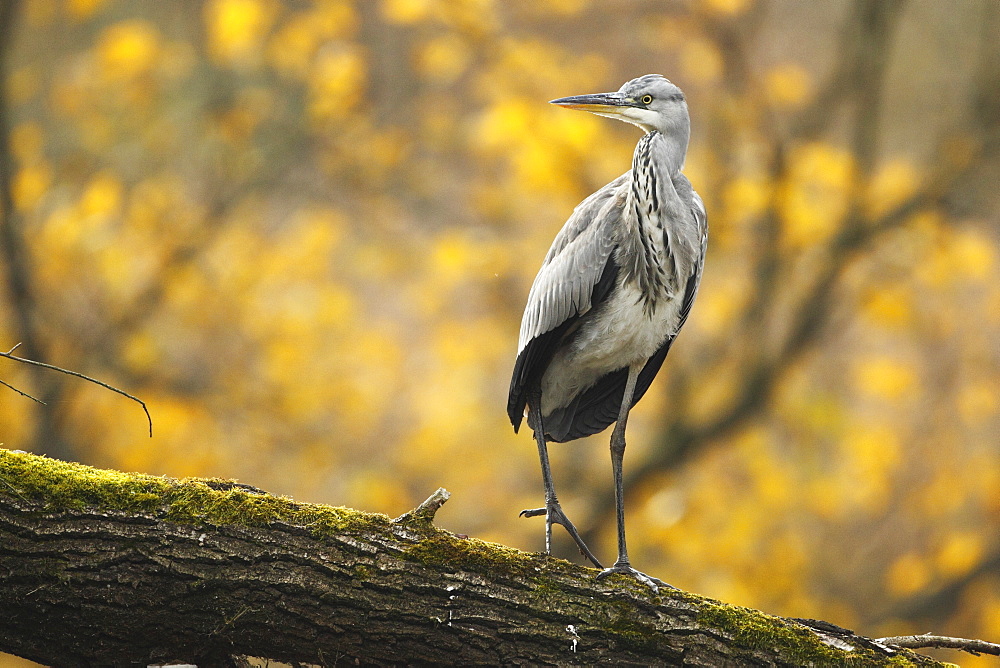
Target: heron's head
(651, 102)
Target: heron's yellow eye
(647, 99)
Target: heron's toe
(625, 569)
(532, 512)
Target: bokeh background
(303, 232)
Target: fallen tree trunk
(106, 568)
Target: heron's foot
(534, 512)
(554, 515)
(626, 569)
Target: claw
(554, 515)
(626, 569)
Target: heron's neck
(669, 151)
(647, 258)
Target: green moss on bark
(441, 548)
(753, 630)
(67, 486)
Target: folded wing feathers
(571, 269)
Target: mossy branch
(100, 567)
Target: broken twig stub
(426, 511)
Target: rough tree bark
(106, 568)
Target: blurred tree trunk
(103, 568)
(16, 260)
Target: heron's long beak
(598, 103)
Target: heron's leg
(622, 564)
(553, 511)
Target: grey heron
(613, 291)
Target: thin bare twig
(43, 365)
(927, 640)
(22, 393)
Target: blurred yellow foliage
(815, 197)
(889, 306)
(964, 254)
(102, 196)
(141, 352)
(40, 12)
(23, 84)
(875, 450)
(718, 310)
(774, 484)
(128, 49)
(236, 28)
(293, 46)
(295, 43)
(873, 453)
(727, 6)
(564, 7)
(974, 254)
(504, 122)
(407, 11)
(978, 401)
(443, 58)
(475, 16)
(30, 185)
(701, 61)
(824, 498)
(84, 9)
(336, 84)
(885, 377)
(788, 86)
(745, 198)
(375, 490)
(991, 616)
(333, 18)
(909, 574)
(891, 185)
(26, 141)
(959, 553)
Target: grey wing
(578, 272)
(701, 220)
(574, 264)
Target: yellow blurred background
(303, 233)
